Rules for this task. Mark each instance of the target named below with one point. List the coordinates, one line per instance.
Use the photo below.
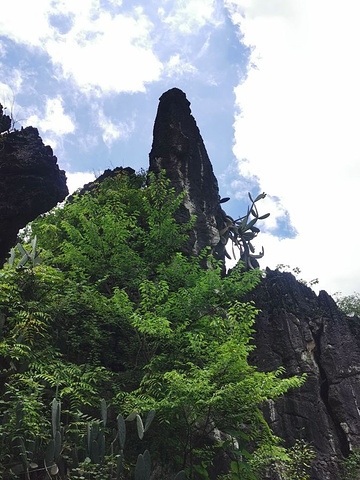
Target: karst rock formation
(31, 182)
(296, 329)
(306, 333)
(178, 148)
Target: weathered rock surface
(296, 329)
(31, 182)
(179, 149)
(307, 333)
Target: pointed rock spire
(178, 148)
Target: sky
(273, 86)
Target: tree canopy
(116, 323)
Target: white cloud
(112, 131)
(110, 53)
(3, 50)
(298, 125)
(11, 84)
(31, 26)
(77, 180)
(188, 16)
(177, 66)
(100, 52)
(54, 120)
(6, 95)
(54, 123)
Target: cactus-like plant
(54, 448)
(143, 466)
(31, 257)
(242, 231)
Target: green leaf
(55, 416)
(260, 197)
(95, 452)
(147, 463)
(101, 441)
(121, 430)
(140, 469)
(180, 475)
(149, 419)
(234, 466)
(74, 457)
(140, 427)
(49, 453)
(103, 409)
(248, 236)
(119, 466)
(94, 430)
(251, 223)
(57, 445)
(131, 417)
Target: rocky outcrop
(31, 182)
(296, 329)
(179, 149)
(306, 333)
(91, 186)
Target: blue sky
(273, 86)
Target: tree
(116, 311)
(349, 304)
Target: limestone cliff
(31, 182)
(307, 333)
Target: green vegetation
(115, 318)
(349, 304)
(296, 272)
(242, 231)
(350, 466)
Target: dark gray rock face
(296, 329)
(179, 149)
(30, 182)
(307, 333)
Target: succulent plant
(31, 257)
(242, 231)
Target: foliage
(287, 464)
(242, 231)
(350, 466)
(115, 311)
(349, 304)
(296, 272)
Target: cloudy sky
(273, 85)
